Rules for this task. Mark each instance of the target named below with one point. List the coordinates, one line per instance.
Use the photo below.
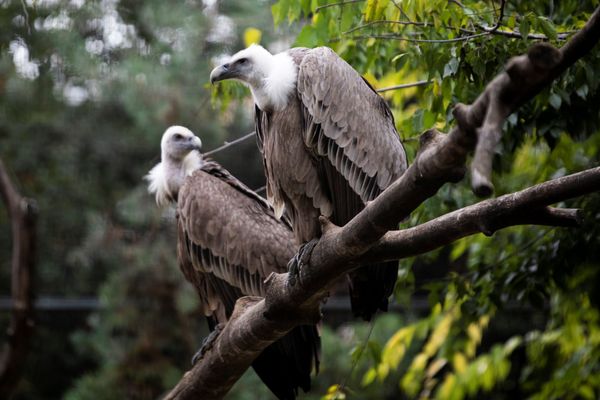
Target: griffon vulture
(229, 241)
(329, 145)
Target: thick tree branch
(524, 77)
(442, 158)
(527, 207)
(21, 213)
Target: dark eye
(177, 136)
(242, 61)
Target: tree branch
(404, 86)
(22, 214)
(524, 77)
(340, 4)
(441, 159)
(392, 36)
(526, 207)
(491, 30)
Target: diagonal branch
(527, 207)
(441, 159)
(21, 213)
(249, 331)
(524, 77)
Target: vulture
(229, 241)
(329, 146)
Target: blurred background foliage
(86, 90)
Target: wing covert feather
(349, 123)
(232, 234)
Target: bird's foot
(301, 259)
(207, 343)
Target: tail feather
(370, 288)
(286, 365)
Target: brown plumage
(328, 147)
(229, 241)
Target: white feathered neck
(279, 74)
(167, 177)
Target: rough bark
(367, 237)
(22, 215)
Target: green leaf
(369, 377)
(347, 20)
(547, 27)
(555, 101)
(294, 11)
(369, 10)
(305, 4)
(582, 91)
(279, 11)
(429, 119)
(586, 392)
(468, 12)
(524, 28)
(307, 37)
(398, 57)
(417, 121)
(451, 67)
(374, 350)
(447, 388)
(510, 23)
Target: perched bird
(329, 145)
(229, 241)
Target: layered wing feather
(232, 232)
(347, 122)
(293, 184)
(229, 242)
(349, 130)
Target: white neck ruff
(273, 92)
(167, 177)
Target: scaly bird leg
(301, 259)
(207, 343)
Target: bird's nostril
(226, 66)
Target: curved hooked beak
(221, 73)
(196, 143)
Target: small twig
(405, 39)
(511, 34)
(26, 16)
(533, 36)
(404, 86)
(355, 362)
(499, 21)
(493, 30)
(229, 144)
(342, 3)
(392, 22)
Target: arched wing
(350, 131)
(349, 125)
(230, 234)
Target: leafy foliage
(459, 47)
(87, 89)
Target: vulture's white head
(271, 78)
(180, 156)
